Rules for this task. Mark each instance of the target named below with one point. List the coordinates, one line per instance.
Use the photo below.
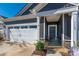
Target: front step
(52, 52)
(54, 46)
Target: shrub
(78, 43)
(39, 46)
(1, 37)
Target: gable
(27, 11)
(53, 6)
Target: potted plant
(40, 48)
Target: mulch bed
(39, 53)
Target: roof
(27, 9)
(37, 8)
(24, 9)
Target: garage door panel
(28, 35)
(13, 35)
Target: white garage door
(24, 34)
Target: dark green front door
(53, 40)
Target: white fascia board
(24, 9)
(76, 4)
(57, 11)
(25, 17)
(40, 6)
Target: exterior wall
(59, 29)
(42, 28)
(21, 21)
(46, 30)
(78, 26)
(67, 27)
(2, 31)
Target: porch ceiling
(53, 18)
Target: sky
(10, 10)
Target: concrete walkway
(57, 52)
(51, 52)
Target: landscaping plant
(40, 45)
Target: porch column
(44, 28)
(6, 33)
(74, 29)
(63, 30)
(38, 27)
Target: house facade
(54, 23)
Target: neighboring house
(55, 23)
(2, 29)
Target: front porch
(65, 33)
(56, 30)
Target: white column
(38, 27)
(6, 33)
(44, 28)
(73, 29)
(63, 30)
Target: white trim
(49, 31)
(38, 27)
(24, 9)
(40, 6)
(6, 31)
(25, 17)
(44, 27)
(74, 29)
(57, 11)
(24, 24)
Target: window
(10, 27)
(34, 26)
(16, 27)
(24, 27)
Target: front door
(52, 35)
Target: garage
(23, 32)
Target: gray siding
(78, 26)
(67, 27)
(21, 21)
(42, 28)
(59, 29)
(46, 29)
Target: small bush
(1, 37)
(78, 43)
(39, 46)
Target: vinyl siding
(78, 26)
(21, 21)
(42, 28)
(67, 27)
(59, 29)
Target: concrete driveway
(16, 50)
